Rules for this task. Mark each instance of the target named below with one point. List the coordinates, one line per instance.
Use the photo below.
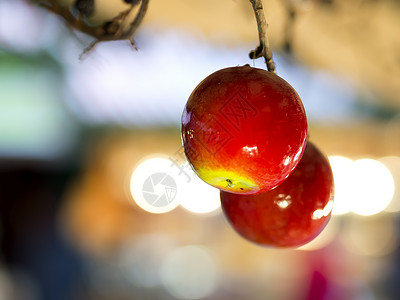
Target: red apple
(293, 213)
(244, 130)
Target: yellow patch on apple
(228, 181)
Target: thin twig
(116, 29)
(263, 50)
(65, 13)
(138, 20)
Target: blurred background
(79, 138)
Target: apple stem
(264, 49)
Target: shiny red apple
(244, 130)
(293, 213)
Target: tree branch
(263, 50)
(138, 20)
(115, 29)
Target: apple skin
(293, 213)
(244, 130)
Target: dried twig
(118, 28)
(263, 50)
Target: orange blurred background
(79, 139)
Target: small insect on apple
(293, 213)
(244, 130)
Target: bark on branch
(118, 28)
(262, 50)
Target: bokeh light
(198, 197)
(140, 258)
(365, 186)
(153, 185)
(373, 186)
(342, 169)
(158, 185)
(190, 272)
(393, 164)
(374, 236)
